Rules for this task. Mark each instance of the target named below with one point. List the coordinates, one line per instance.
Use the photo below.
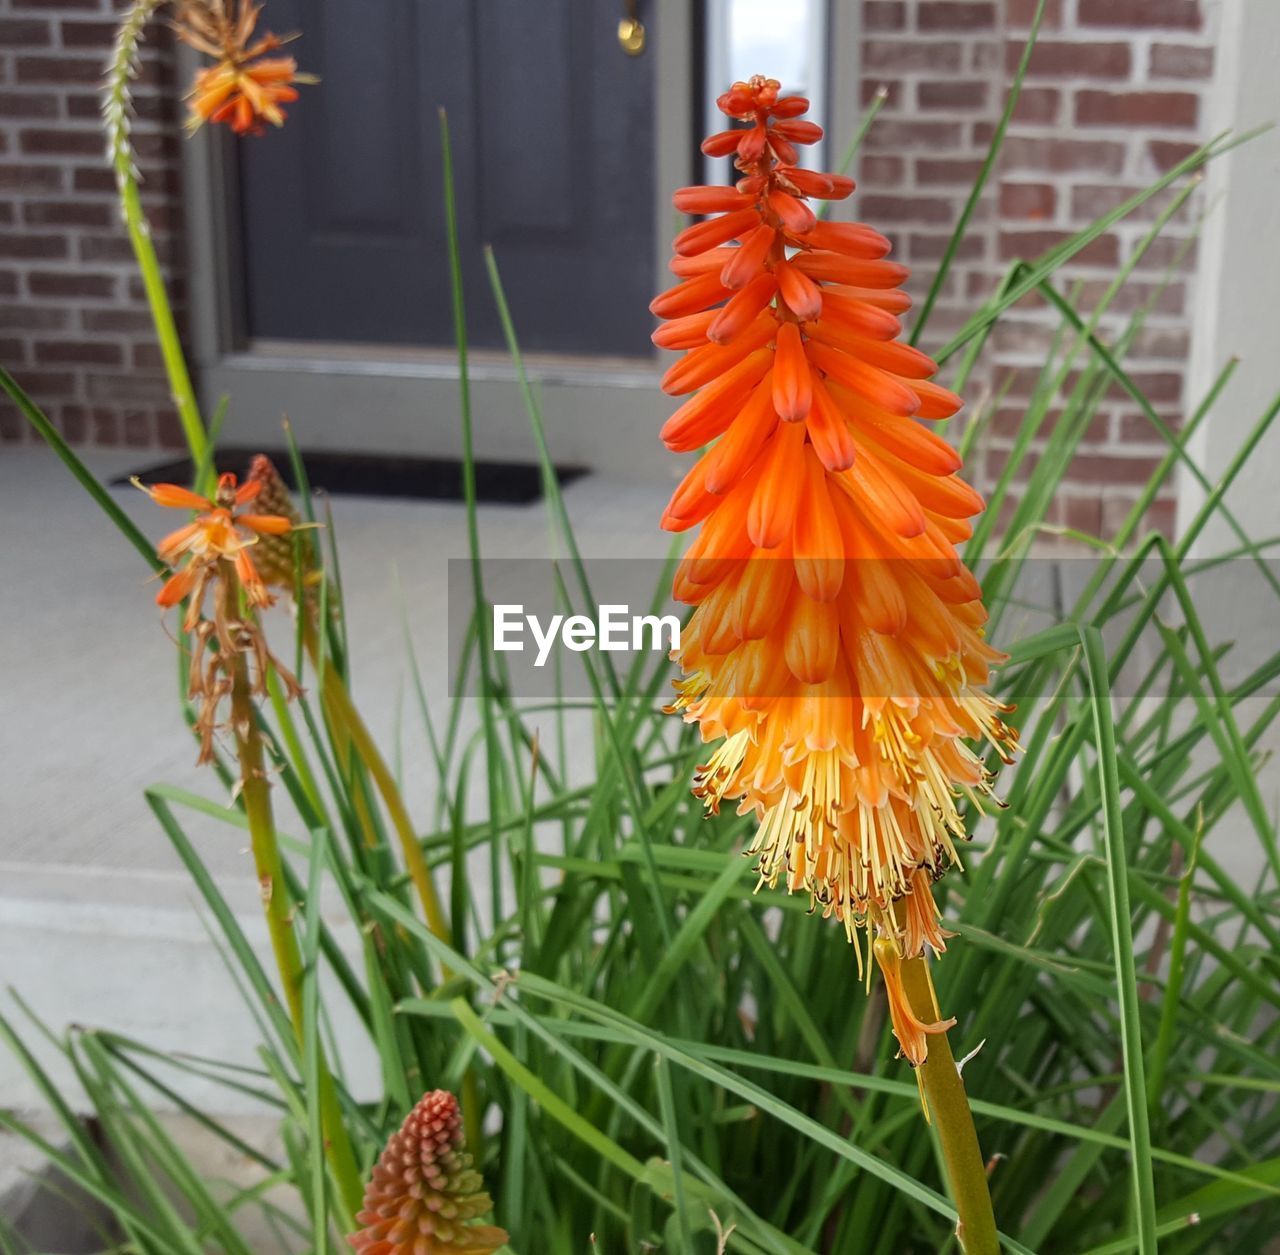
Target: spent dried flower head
(211, 560)
(246, 87)
(424, 1192)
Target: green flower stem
(948, 1107)
(118, 116)
(255, 792)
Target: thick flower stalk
(211, 560)
(424, 1192)
(835, 659)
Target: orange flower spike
(245, 88)
(424, 1193)
(835, 660)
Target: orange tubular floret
(835, 661)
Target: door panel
(551, 129)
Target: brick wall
(74, 328)
(1115, 94)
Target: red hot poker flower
(424, 1191)
(835, 658)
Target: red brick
(884, 15)
(44, 247)
(126, 321)
(955, 95)
(1168, 14)
(8, 283)
(78, 353)
(1181, 61)
(955, 15)
(931, 247)
(169, 431)
(1163, 387)
(1134, 108)
(1062, 59)
(46, 142)
(53, 283)
(1022, 152)
(1168, 251)
(1083, 514)
(14, 105)
(1113, 468)
(1137, 428)
(908, 209)
(1163, 298)
(95, 179)
(1019, 14)
(1027, 200)
(73, 422)
(911, 54)
(128, 390)
(953, 172)
(890, 89)
(39, 384)
(77, 33)
(900, 136)
(30, 178)
(106, 427)
(32, 318)
(1091, 200)
(59, 69)
(1104, 251)
(147, 357)
(68, 213)
(984, 56)
(880, 170)
(1037, 105)
(13, 429)
(137, 428)
(25, 33)
(105, 248)
(1167, 153)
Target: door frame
(603, 413)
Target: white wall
(1237, 305)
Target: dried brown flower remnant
(424, 1190)
(274, 554)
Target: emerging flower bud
(424, 1190)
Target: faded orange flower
(835, 657)
(424, 1191)
(246, 87)
(212, 554)
(221, 530)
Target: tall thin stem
(117, 112)
(255, 792)
(948, 1106)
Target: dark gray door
(552, 132)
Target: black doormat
(379, 475)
